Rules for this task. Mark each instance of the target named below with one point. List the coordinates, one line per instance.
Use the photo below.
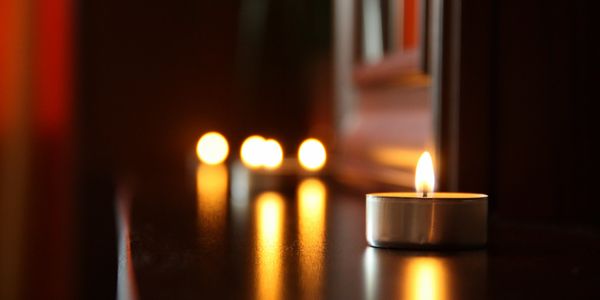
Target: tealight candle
(424, 219)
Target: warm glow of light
(272, 154)
(211, 187)
(269, 230)
(425, 279)
(424, 176)
(311, 227)
(252, 151)
(395, 156)
(212, 148)
(312, 155)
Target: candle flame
(424, 176)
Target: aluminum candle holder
(435, 221)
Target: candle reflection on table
(424, 275)
(269, 230)
(211, 187)
(425, 279)
(416, 277)
(311, 227)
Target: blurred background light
(252, 151)
(212, 148)
(272, 154)
(312, 154)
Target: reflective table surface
(218, 232)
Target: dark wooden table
(193, 236)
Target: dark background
(153, 76)
(543, 93)
(150, 76)
(526, 93)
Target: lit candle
(262, 166)
(212, 150)
(426, 219)
(260, 153)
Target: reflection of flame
(425, 279)
(414, 276)
(269, 220)
(211, 186)
(311, 210)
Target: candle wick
(424, 194)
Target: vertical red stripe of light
(52, 102)
(52, 65)
(7, 44)
(411, 26)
